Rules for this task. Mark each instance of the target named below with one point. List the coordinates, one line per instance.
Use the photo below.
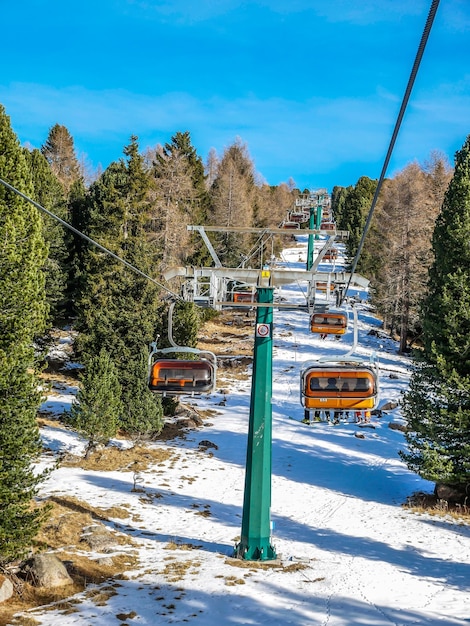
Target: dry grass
(429, 503)
(63, 533)
(69, 516)
(176, 570)
(231, 581)
(177, 545)
(136, 459)
(230, 333)
(267, 565)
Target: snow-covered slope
(349, 553)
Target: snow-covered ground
(336, 510)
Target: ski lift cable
(256, 247)
(301, 288)
(406, 97)
(89, 239)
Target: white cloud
(320, 133)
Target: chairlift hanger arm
(201, 230)
(321, 254)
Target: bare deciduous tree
(406, 212)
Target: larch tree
(211, 167)
(180, 198)
(439, 173)
(171, 212)
(59, 152)
(270, 207)
(232, 200)
(272, 204)
(181, 183)
(437, 404)
(23, 313)
(406, 218)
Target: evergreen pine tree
(78, 217)
(23, 312)
(48, 192)
(143, 415)
(446, 310)
(98, 407)
(185, 324)
(339, 197)
(437, 405)
(118, 309)
(355, 212)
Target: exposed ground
(230, 337)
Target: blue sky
(313, 87)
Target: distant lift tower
(316, 200)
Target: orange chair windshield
(179, 376)
(329, 323)
(244, 296)
(348, 389)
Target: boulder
(6, 588)
(205, 444)
(46, 570)
(452, 493)
(188, 416)
(398, 426)
(99, 538)
(388, 406)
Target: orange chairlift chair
(329, 322)
(244, 296)
(300, 217)
(290, 225)
(324, 286)
(330, 255)
(339, 386)
(174, 376)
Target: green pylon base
(260, 550)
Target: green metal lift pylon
(314, 223)
(256, 521)
(318, 216)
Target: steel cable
(406, 97)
